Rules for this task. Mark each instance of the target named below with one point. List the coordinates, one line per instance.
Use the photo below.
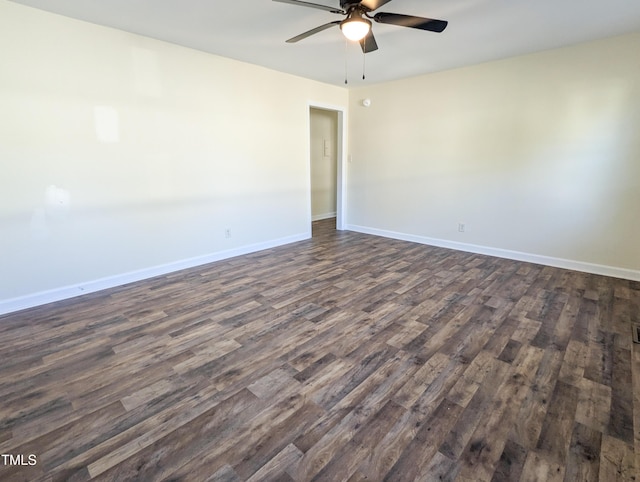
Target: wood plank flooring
(346, 357)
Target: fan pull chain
(345, 61)
(364, 59)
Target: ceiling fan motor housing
(352, 5)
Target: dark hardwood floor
(344, 357)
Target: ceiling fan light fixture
(354, 27)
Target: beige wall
(324, 154)
(536, 155)
(122, 156)
(121, 153)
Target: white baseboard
(320, 217)
(612, 271)
(36, 299)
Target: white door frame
(341, 181)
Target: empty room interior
(236, 249)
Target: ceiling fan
(357, 25)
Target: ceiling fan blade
(369, 44)
(313, 5)
(411, 21)
(309, 33)
(372, 5)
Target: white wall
(121, 153)
(122, 156)
(324, 155)
(537, 155)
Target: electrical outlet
(227, 233)
(461, 227)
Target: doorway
(325, 157)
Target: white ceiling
(255, 31)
